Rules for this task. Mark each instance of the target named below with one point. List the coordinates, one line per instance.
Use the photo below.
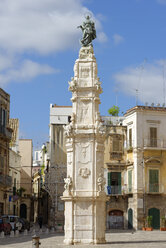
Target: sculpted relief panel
(83, 112)
(84, 164)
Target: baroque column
(84, 194)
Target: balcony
(155, 143)
(155, 188)
(119, 190)
(114, 190)
(5, 180)
(6, 132)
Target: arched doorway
(23, 211)
(130, 218)
(155, 213)
(116, 220)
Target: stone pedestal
(84, 194)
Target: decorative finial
(89, 32)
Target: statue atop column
(89, 32)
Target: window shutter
(153, 181)
(153, 136)
(130, 180)
(119, 182)
(130, 137)
(109, 178)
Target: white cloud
(161, 1)
(117, 39)
(43, 26)
(38, 26)
(24, 72)
(148, 79)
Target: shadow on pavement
(22, 239)
(137, 242)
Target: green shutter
(109, 178)
(130, 181)
(119, 182)
(153, 181)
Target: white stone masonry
(84, 194)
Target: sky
(39, 43)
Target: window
(153, 136)
(58, 134)
(130, 138)
(153, 181)
(3, 117)
(114, 183)
(130, 181)
(116, 147)
(1, 162)
(1, 208)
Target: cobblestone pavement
(115, 239)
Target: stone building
(5, 138)
(56, 171)
(115, 173)
(40, 195)
(135, 168)
(26, 208)
(146, 151)
(14, 169)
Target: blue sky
(39, 43)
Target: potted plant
(149, 223)
(163, 224)
(144, 224)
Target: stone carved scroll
(101, 182)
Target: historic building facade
(56, 170)
(135, 168)
(26, 153)
(146, 136)
(5, 138)
(14, 169)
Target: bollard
(2, 234)
(47, 231)
(12, 234)
(35, 241)
(25, 232)
(17, 233)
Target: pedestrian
(40, 221)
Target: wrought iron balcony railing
(114, 190)
(155, 143)
(119, 190)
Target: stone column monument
(84, 194)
